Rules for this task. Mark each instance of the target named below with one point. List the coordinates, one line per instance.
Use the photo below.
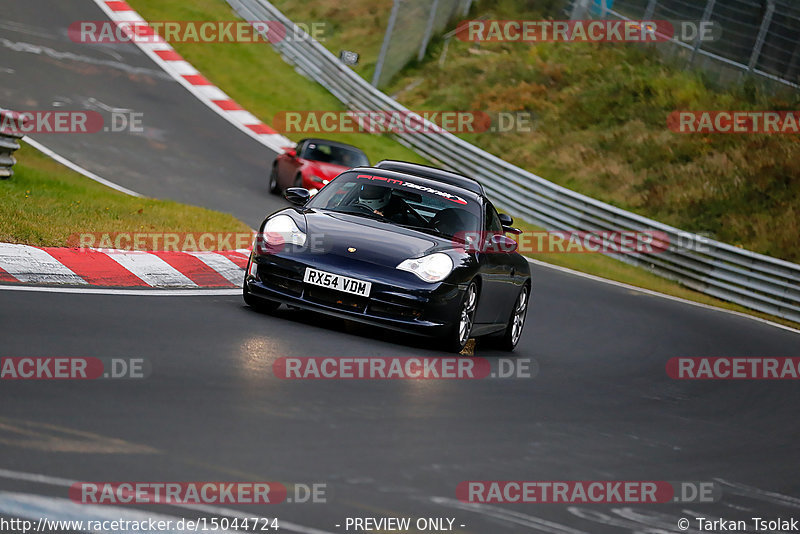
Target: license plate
(337, 282)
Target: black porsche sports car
(395, 250)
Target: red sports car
(312, 164)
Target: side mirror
(292, 153)
(502, 244)
(297, 195)
(507, 221)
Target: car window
(439, 210)
(492, 220)
(337, 155)
(348, 157)
(340, 196)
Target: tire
(273, 180)
(516, 322)
(298, 180)
(257, 303)
(459, 334)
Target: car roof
(328, 142)
(423, 180)
(433, 173)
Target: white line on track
(64, 505)
(77, 168)
(661, 295)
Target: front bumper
(398, 300)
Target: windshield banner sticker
(411, 185)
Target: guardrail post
(376, 76)
(428, 31)
(794, 63)
(579, 10)
(766, 20)
(9, 143)
(697, 40)
(650, 9)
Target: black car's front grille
(336, 299)
(281, 280)
(393, 311)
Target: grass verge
(44, 203)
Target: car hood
(375, 241)
(328, 171)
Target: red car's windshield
(335, 154)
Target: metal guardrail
(718, 269)
(9, 143)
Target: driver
(381, 201)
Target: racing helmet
(374, 197)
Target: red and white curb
(119, 268)
(184, 73)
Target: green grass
(44, 203)
(599, 150)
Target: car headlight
(281, 230)
(431, 268)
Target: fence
(757, 36)
(724, 271)
(9, 143)
(411, 25)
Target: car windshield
(338, 155)
(438, 209)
